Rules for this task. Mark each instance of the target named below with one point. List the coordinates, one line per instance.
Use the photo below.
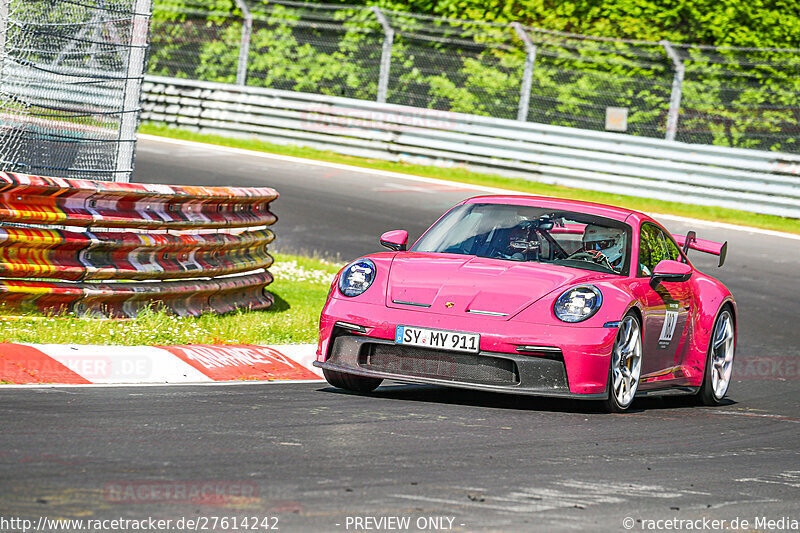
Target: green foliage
(731, 97)
(756, 23)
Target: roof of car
(608, 211)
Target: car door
(667, 308)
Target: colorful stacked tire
(112, 249)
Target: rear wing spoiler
(702, 245)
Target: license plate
(434, 338)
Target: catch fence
(737, 97)
(70, 83)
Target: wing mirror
(396, 240)
(671, 271)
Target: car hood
(456, 284)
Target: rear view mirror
(396, 240)
(546, 225)
(670, 271)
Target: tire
(719, 359)
(625, 367)
(351, 382)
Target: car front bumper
(575, 364)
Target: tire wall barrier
(112, 249)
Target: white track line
(779, 418)
(410, 177)
(326, 164)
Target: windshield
(532, 234)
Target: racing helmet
(609, 241)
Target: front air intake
(438, 364)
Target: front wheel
(351, 382)
(719, 360)
(626, 365)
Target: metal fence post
(244, 46)
(386, 54)
(3, 30)
(527, 73)
(129, 122)
(677, 89)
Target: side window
(670, 248)
(647, 242)
(655, 246)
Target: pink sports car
(530, 295)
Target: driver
(603, 245)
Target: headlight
(357, 277)
(578, 303)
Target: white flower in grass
(291, 271)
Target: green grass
(716, 214)
(300, 287)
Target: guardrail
(111, 249)
(749, 180)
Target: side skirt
(672, 391)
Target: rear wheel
(626, 365)
(351, 382)
(719, 361)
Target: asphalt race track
(318, 459)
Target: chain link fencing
(738, 97)
(70, 78)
